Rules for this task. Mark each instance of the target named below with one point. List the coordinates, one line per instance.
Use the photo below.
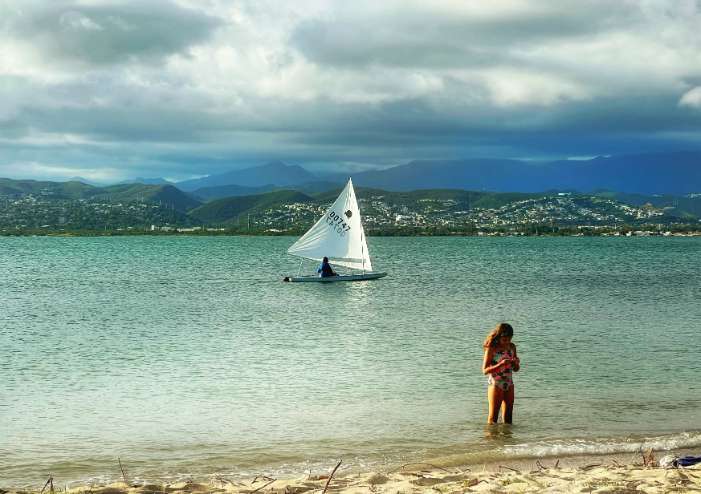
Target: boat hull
(332, 279)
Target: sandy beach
(591, 474)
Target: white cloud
(508, 87)
(76, 20)
(691, 98)
(60, 172)
(319, 81)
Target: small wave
(558, 448)
(573, 447)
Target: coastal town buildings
(382, 214)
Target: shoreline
(610, 473)
(478, 234)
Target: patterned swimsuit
(503, 378)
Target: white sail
(338, 235)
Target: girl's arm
(488, 369)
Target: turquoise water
(188, 357)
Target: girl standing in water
(500, 361)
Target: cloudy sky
(109, 89)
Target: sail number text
(337, 223)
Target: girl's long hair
(502, 329)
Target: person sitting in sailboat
(325, 269)
(338, 234)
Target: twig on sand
(543, 467)
(509, 468)
(331, 476)
(224, 481)
(124, 473)
(695, 477)
(263, 486)
(589, 467)
(264, 477)
(50, 483)
(684, 477)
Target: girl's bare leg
(494, 398)
(507, 409)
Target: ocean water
(187, 357)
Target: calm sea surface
(188, 357)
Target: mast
(362, 250)
(362, 232)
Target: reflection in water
(499, 432)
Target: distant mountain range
(676, 173)
(664, 173)
(147, 181)
(275, 173)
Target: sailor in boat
(325, 269)
(338, 234)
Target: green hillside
(53, 190)
(212, 193)
(31, 206)
(229, 210)
(463, 198)
(330, 195)
(206, 194)
(489, 200)
(166, 195)
(679, 206)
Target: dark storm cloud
(428, 38)
(107, 34)
(104, 107)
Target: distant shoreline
(204, 233)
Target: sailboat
(339, 236)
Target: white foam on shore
(456, 455)
(574, 447)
